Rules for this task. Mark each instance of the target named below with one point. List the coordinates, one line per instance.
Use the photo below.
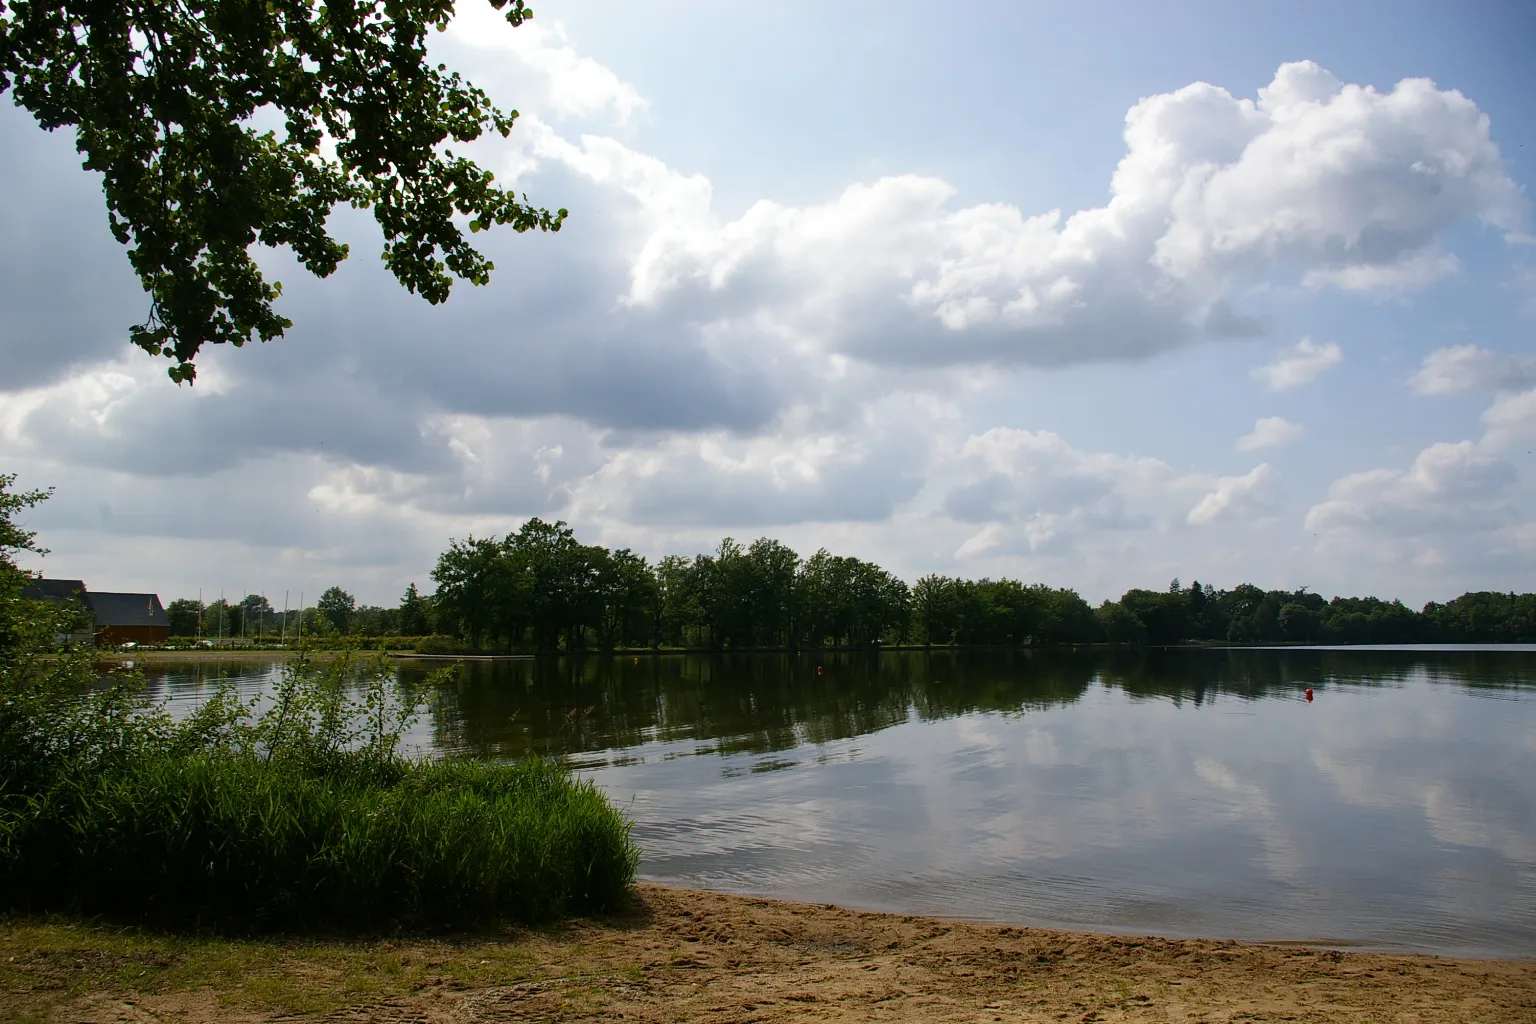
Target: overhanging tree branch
(162, 97)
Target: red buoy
(1309, 695)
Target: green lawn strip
(46, 963)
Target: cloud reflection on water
(1190, 792)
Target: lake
(1172, 792)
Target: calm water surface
(1182, 793)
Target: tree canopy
(338, 607)
(168, 101)
(15, 539)
(541, 589)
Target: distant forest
(539, 589)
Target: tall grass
(304, 813)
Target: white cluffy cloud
(1319, 180)
(1415, 270)
(572, 85)
(1033, 492)
(1450, 371)
(1253, 491)
(1300, 364)
(1269, 432)
(1465, 503)
(1036, 500)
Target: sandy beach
(685, 955)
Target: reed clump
(301, 811)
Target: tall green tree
(1166, 616)
(184, 616)
(725, 594)
(878, 604)
(168, 102)
(773, 603)
(14, 537)
(559, 577)
(313, 622)
(218, 619)
(934, 607)
(254, 614)
(626, 590)
(17, 613)
(817, 584)
(413, 619)
(675, 608)
(849, 601)
(338, 607)
(1484, 617)
(1118, 624)
(1298, 622)
(470, 588)
(373, 620)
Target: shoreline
(687, 954)
(155, 656)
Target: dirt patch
(684, 955)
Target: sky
(1094, 295)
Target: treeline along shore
(541, 590)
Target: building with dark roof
(128, 618)
(57, 591)
(53, 590)
(118, 618)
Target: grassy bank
(302, 814)
(229, 840)
(168, 656)
(50, 966)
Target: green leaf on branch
(163, 97)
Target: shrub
(303, 814)
(437, 644)
(230, 840)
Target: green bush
(438, 644)
(227, 839)
(303, 813)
